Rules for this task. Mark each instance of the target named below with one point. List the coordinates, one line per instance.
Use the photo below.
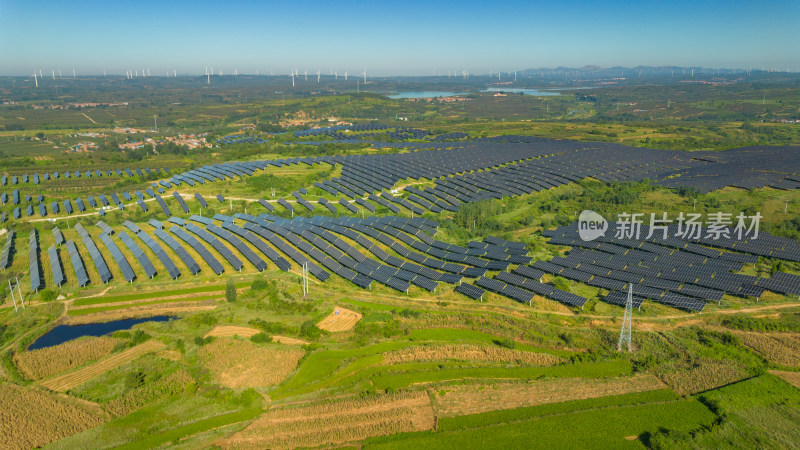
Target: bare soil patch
(232, 330)
(340, 319)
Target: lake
(64, 333)
(523, 91)
(425, 94)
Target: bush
(506, 342)
(48, 295)
(230, 291)
(261, 338)
(309, 330)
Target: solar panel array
(122, 262)
(94, 253)
(678, 272)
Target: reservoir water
(64, 333)
(522, 91)
(425, 94)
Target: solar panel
(94, 253)
(172, 269)
(139, 254)
(181, 202)
(55, 266)
(470, 291)
(235, 262)
(201, 200)
(77, 264)
(124, 266)
(190, 263)
(212, 261)
(34, 267)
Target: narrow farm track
(77, 378)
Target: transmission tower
(625, 334)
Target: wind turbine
(54, 74)
(318, 75)
(292, 76)
(35, 80)
(345, 76)
(208, 77)
(305, 74)
(174, 73)
(365, 76)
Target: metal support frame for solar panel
(139, 254)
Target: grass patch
(517, 414)
(83, 312)
(599, 428)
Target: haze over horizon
(415, 38)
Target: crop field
(468, 352)
(33, 418)
(336, 422)
(477, 398)
(780, 348)
(706, 375)
(73, 379)
(231, 331)
(236, 363)
(49, 361)
(340, 319)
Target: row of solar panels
(37, 178)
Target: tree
(230, 291)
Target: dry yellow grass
(780, 348)
(336, 423)
(791, 377)
(707, 375)
(142, 311)
(49, 361)
(472, 399)
(469, 352)
(232, 330)
(33, 418)
(288, 340)
(340, 319)
(237, 363)
(80, 376)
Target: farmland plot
(337, 422)
(237, 363)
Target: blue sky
(400, 37)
